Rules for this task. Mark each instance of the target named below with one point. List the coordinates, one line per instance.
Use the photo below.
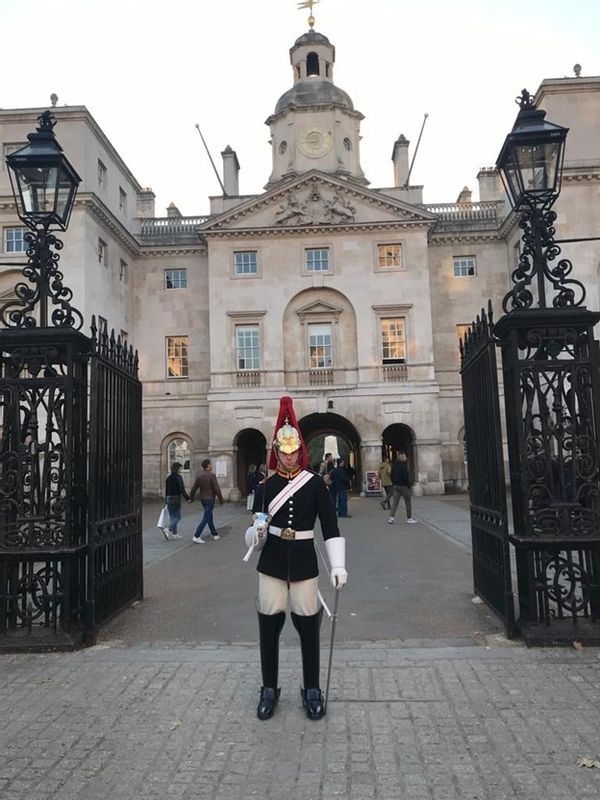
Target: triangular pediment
(318, 307)
(316, 201)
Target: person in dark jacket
(340, 486)
(174, 491)
(401, 483)
(293, 497)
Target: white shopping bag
(163, 518)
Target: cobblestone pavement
(428, 700)
(451, 723)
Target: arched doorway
(251, 449)
(399, 438)
(315, 427)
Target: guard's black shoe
(268, 700)
(312, 700)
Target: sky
(149, 71)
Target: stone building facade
(348, 297)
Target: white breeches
(273, 595)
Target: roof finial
(309, 4)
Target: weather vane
(309, 4)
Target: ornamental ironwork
(45, 285)
(538, 254)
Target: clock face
(315, 142)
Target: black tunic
(295, 560)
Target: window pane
(320, 346)
(13, 240)
(246, 262)
(175, 279)
(464, 266)
(247, 347)
(179, 450)
(389, 255)
(393, 347)
(317, 259)
(177, 356)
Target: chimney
(145, 203)
(231, 171)
(400, 160)
(490, 184)
(464, 198)
(173, 211)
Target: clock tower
(315, 124)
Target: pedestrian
(385, 478)
(351, 475)
(209, 490)
(252, 481)
(340, 485)
(326, 466)
(293, 497)
(174, 491)
(401, 483)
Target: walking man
(401, 483)
(209, 490)
(174, 490)
(293, 497)
(385, 477)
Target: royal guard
(293, 497)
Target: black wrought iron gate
(114, 566)
(483, 434)
(70, 503)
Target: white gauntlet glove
(256, 535)
(336, 552)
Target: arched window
(179, 450)
(312, 64)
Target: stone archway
(315, 427)
(399, 438)
(251, 449)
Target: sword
(333, 624)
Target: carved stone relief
(315, 209)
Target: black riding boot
(269, 626)
(312, 697)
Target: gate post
(552, 395)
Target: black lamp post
(44, 186)
(530, 164)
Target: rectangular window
(393, 345)
(101, 175)
(102, 325)
(176, 279)
(123, 271)
(124, 336)
(13, 240)
(102, 252)
(464, 266)
(247, 347)
(122, 200)
(177, 356)
(389, 255)
(245, 262)
(317, 259)
(320, 346)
